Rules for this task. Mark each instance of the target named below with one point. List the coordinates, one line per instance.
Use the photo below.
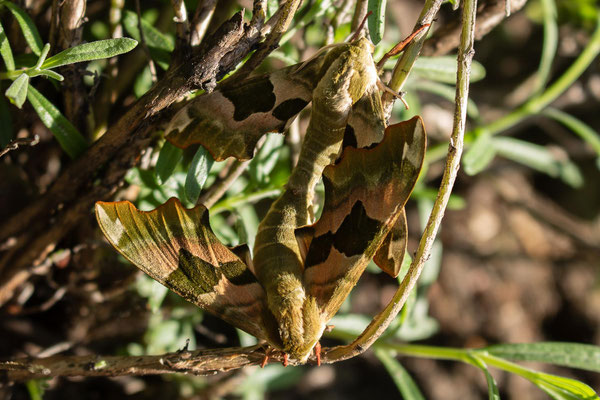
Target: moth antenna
(360, 27)
(400, 47)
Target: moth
(299, 274)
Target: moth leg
(268, 352)
(286, 360)
(318, 353)
(387, 89)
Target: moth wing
(390, 254)
(365, 193)
(229, 122)
(177, 247)
(366, 123)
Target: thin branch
(15, 143)
(201, 19)
(385, 317)
(182, 24)
(408, 58)
(280, 23)
(492, 13)
(218, 189)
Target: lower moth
(299, 274)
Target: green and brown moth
(299, 274)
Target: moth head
(364, 43)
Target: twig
(359, 14)
(182, 24)
(279, 23)
(385, 317)
(15, 143)
(218, 189)
(408, 58)
(202, 16)
(446, 39)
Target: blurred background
(517, 259)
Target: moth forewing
(365, 192)
(177, 247)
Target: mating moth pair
(299, 274)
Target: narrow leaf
(67, 135)
(17, 91)
(5, 50)
(584, 131)
(493, 393)
(575, 355)
(46, 72)
(539, 158)
(549, 46)
(267, 156)
(376, 20)
(27, 26)
(404, 382)
(479, 155)
(443, 69)
(159, 44)
(448, 93)
(90, 51)
(564, 388)
(197, 174)
(168, 159)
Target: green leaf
(550, 45)
(560, 387)
(262, 164)
(168, 158)
(480, 155)
(90, 51)
(539, 158)
(159, 44)
(584, 131)
(152, 290)
(67, 135)
(46, 72)
(493, 393)
(17, 91)
(404, 382)
(376, 20)
(575, 355)
(36, 388)
(6, 128)
(143, 82)
(197, 174)
(447, 92)
(5, 50)
(443, 69)
(27, 26)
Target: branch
(385, 317)
(199, 362)
(446, 39)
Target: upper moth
(299, 274)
